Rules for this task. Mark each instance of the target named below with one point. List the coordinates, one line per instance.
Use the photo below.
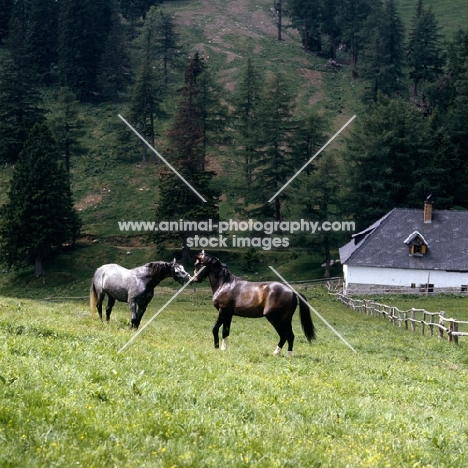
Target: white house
(409, 250)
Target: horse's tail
(93, 297)
(306, 319)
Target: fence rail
(411, 319)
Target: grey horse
(135, 286)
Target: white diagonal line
(313, 310)
(311, 159)
(129, 342)
(163, 159)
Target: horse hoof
(277, 351)
(224, 345)
(290, 354)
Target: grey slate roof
(382, 244)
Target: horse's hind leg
(289, 336)
(110, 304)
(99, 302)
(216, 327)
(226, 329)
(282, 330)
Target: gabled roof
(415, 235)
(383, 245)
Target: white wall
(401, 277)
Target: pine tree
(383, 155)
(19, 105)
(66, 125)
(246, 121)
(177, 201)
(424, 53)
(306, 15)
(351, 18)
(148, 90)
(6, 7)
(330, 26)
(318, 198)
(213, 112)
(41, 37)
(167, 47)
(83, 29)
(383, 53)
(187, 133)
(276, 162)
(114, 68)
(38, 216)
(457, 116)
(437, 171)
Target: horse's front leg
(226, 329)
(133, 313)
(141, 309)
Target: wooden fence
(411, 319)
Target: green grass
(451, 16)
(67, 398)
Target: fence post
(451, 329)
(413, 318)
(423, 322)
(406, 319)
(455, 329)
(441, 324)
(431, 326)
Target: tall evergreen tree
(39, 216)
(383, 155)
(276, 162)
(330, 26)
(6, 6)
(114, 68)
(167, 47)
(306, 16)
(246, 121)
(19, 106)
(187, 155)
(437, 171)
(66, 125)
(383, 53)
(457, 117)
(213, 111)
(424, 52)
(318, 198)
(83, 29)
(148, 89)
(42, 36)
(351, 17)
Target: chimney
(427, 212)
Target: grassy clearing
(67, 398)
(451, 16)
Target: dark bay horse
(235, 296)
(134, 286)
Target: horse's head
(201, 271)
(179, 273)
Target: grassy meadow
(68, 398)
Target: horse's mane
(155, 268)
(224, 272)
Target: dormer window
(418, 249)
(417, 244)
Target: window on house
(416, 249)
